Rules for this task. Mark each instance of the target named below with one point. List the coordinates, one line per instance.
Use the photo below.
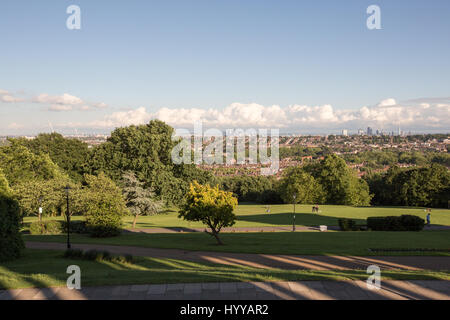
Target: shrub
(73, 253)
(46, 227)
(104, 207)
(76, 227)
(95, 255)
(396, 223)
(11, 243)
(347, 224)
(412, 223)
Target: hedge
(58, 227)
(395, 223)
(11, 243)
(347, 224)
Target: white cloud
(387, 103)
(293, 117)
(123, 118)
(10, 99)
(60, 107)
(65, 99)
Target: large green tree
(339, 182)
(69, 154)
(300, 183)
(104, 206)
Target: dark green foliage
(421, 187)
(46, 227)
(11, 242)
(69, 154)
(95, 255)
(340, 184)
(347, 225)
(395, 223)
(251, 188)
(76, 227)
(104, 207)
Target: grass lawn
(253, 215)
(41, 268)
(309, 243)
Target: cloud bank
(386, 114)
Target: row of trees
(329, 181)
(419, 186)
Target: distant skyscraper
(369, 131)
(360, 132)
(345, 132)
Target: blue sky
(209, 55)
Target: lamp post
(293, 222)
(67, 189)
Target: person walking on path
(428, 219)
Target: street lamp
(293, 223)
(67, 189)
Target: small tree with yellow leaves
(210, 205)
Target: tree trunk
(216, 235)
(134, 221)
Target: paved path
(268, 260)
(299, 290)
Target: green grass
(41, 268)
(253, 215)
(309, 243)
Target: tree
(19, 165)
(139, 201)
(211, 206)
(104, 206)
(4, 185)
(146, 150)
(339, 182)
(11, 243)
(69, 154)
(301, 184)
(46, 194)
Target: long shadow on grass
(305, 219)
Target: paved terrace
(299, 290)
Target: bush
(104, 231)
(396, 223)
(95, 255)
(347, 225)
(46, 227)
(76, 227)
(11, 243)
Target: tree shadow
(301, 219)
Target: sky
(298, 66)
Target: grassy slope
(253, 215)
(40, 268)
(314, 243)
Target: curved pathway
(269, 260)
